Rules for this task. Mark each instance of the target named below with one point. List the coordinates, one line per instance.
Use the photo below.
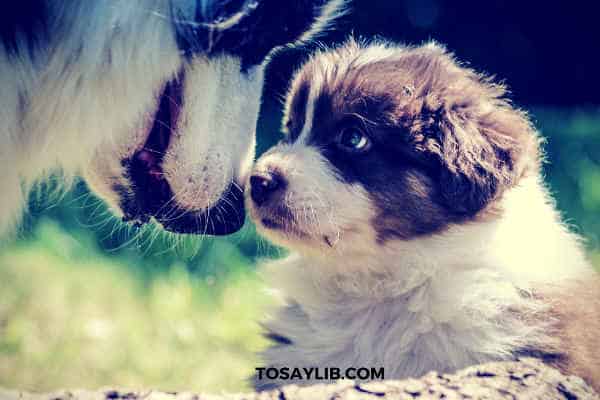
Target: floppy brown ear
(485, 149)
(482, 144)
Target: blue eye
(354, 140)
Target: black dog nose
(264, 185)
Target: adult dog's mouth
(153, 196)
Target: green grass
(92, 321)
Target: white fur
(229, 149)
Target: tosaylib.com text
(319, 373)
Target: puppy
(155, 102)
(423, 238)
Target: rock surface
(523, 379)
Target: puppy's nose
(264, 185)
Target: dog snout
(265, 186)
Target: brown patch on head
(446, 143)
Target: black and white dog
(409, 189)
(155, 101)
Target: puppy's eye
(352, 139)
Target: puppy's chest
(443, 324)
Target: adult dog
(154, 101)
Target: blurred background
(86, 302)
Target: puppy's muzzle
(266, 187)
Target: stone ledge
(523, 379)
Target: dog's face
(387, 144)
(184, 160)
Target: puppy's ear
(482, 144)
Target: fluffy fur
(432, 247)
(155, 99)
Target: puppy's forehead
(324, 95)
(379, 85)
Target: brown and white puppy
(423, 238)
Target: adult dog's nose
(264, 185)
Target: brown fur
(576, 309)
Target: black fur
(278, 339)
(266, 26)
(24, 22)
